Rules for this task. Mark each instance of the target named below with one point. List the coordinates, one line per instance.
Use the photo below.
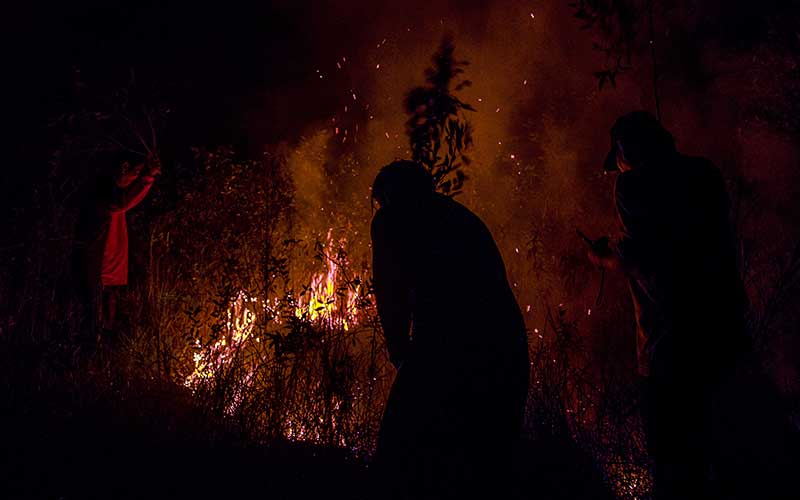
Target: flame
(239, 325)
(329, 300)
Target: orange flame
(328, 300)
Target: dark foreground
(66, 447)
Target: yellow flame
(328, 300)
(239, 326)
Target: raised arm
(136, 192)
(132, 195)
(392, 288)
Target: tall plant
(438, 132)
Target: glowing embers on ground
(629, 480)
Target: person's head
(402, 183)
(638, 140)
(128, 172)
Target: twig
(138, 134)
(124, 147)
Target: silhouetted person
(455, 334)
(102, 242)
(678, 251)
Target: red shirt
(114, 266)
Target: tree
(438, 132)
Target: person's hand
(153, 165)
(602, 256)
(602, 246)
(132, 172)
(600, 251)
(396, 360)
(399, 353)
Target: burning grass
(260, 330)
(315, 352)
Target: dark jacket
(439, 276)
(678, 250)
(457, 336)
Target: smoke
(540, 129)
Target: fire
(239, 325)
(329, 300)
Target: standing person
(677, 249)
(456, 335)
(102, 242)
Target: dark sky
(217, 63)
(213, 59)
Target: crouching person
(455, 334)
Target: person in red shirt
(103, 241)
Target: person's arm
(603, 255)
(137, 191)
(626, 251)
(392, 289)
